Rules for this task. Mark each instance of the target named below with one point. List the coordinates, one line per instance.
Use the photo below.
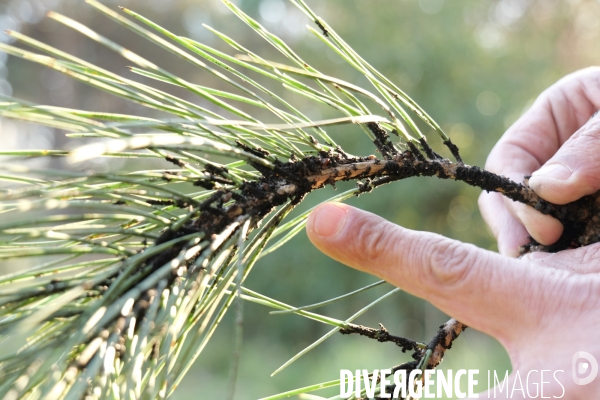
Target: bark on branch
(381, 335)
(443, 341)
(581, 219)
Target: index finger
(477, 287)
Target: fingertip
(560, 192)
(555, 183)
(543, 228)
(567, 177)
(327, 221)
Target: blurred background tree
(475, 66)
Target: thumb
(480, 288)
(574, 171)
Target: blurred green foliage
(475, 66)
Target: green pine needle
(123, 278)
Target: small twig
(454, 150)
(432, 155)
(382, 335)
(382, 140)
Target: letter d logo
(584, 363)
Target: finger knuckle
(450, 264)
(374, 242)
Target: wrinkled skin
(543, 307)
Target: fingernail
(559, 172)
(329, 220)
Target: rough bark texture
(443, 341)
(294, 179)
(381, 335)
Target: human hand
(543, 308)
(556, 143)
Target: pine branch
(132, 272)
